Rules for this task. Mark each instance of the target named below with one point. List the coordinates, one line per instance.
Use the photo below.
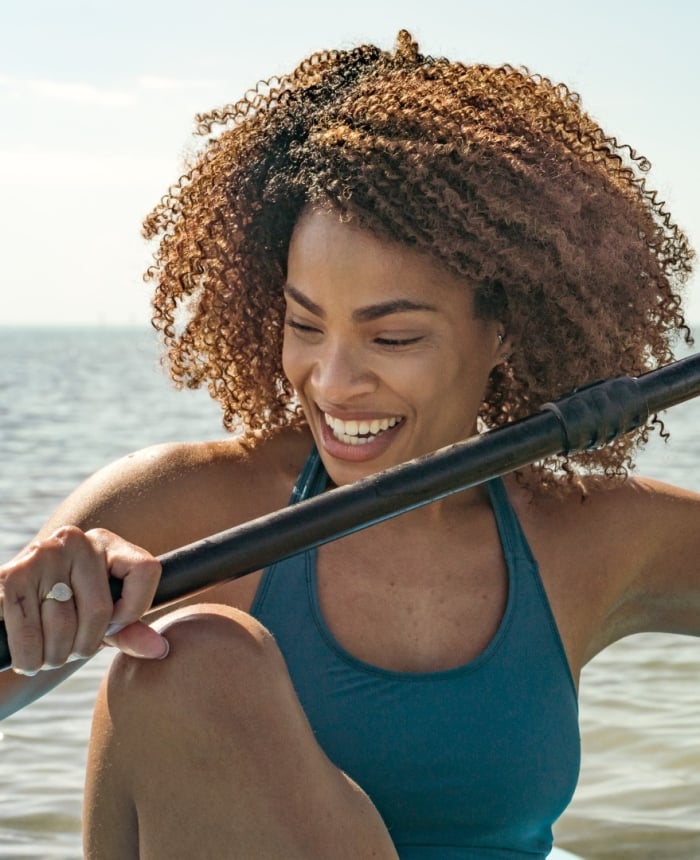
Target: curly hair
(496, 172)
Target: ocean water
(74, 399)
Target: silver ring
(61, 591)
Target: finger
(97, 555)
(138, 570)
(24, 581)
(140, 640)
(20, 613)
(78, 627)
(58, 617)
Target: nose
(341, 372)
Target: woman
(378, 255)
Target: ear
(503, 345)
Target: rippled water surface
(72, 400)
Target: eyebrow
(366, 314)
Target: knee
(210, 636)
(220, 659)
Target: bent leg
(209, 754)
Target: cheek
(458, 383)
(288, 360)
(295, 365)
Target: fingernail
(114, 628)
(74, 657)
(30, 673)
(165, 653)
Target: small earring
(501, 338)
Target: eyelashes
(397, 342)
(300, 327)
(309, 331)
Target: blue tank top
(474, 762)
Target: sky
(98, 97)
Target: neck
(443, 513)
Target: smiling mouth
(359, 432)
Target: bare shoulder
(167, 495)
(622, 559)
(640, 517)
(610, 508)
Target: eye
(301, 328)
(397, 342)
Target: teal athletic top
(475, 762)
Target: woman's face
(381, 346)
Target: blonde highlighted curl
(495, 172)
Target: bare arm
(119, 520)
(79, 546)
(665, 593)
(650, 533)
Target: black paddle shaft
(590, 417)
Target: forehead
(328, 252)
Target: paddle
(590, 417)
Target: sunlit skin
(377, 332)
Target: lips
(359, 439)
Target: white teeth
(358, 432)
